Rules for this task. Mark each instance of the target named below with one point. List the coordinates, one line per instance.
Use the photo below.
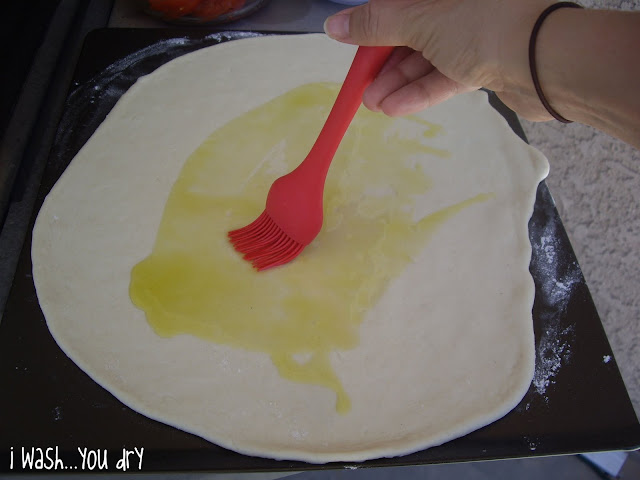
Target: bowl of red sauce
(201, 12)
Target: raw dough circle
(448, 348)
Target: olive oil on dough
(194, 283)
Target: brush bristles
(264, 244)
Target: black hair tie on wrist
(532, 55)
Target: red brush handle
(365, 67)
(294, 201)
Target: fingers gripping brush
(293, 214)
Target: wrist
(513, 80)
(588, 65)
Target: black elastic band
(532, 55)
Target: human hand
(448, 47)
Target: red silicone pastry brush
(293, 214)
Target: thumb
(365, 25)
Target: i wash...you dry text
(36, 458)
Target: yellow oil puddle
(194, 283)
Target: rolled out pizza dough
(445, 344)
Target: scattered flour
(298, 435)
(223, 36)
(556, 275)
(532, 444)
(552, 352)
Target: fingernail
(337, 26)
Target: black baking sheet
(576, 403)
